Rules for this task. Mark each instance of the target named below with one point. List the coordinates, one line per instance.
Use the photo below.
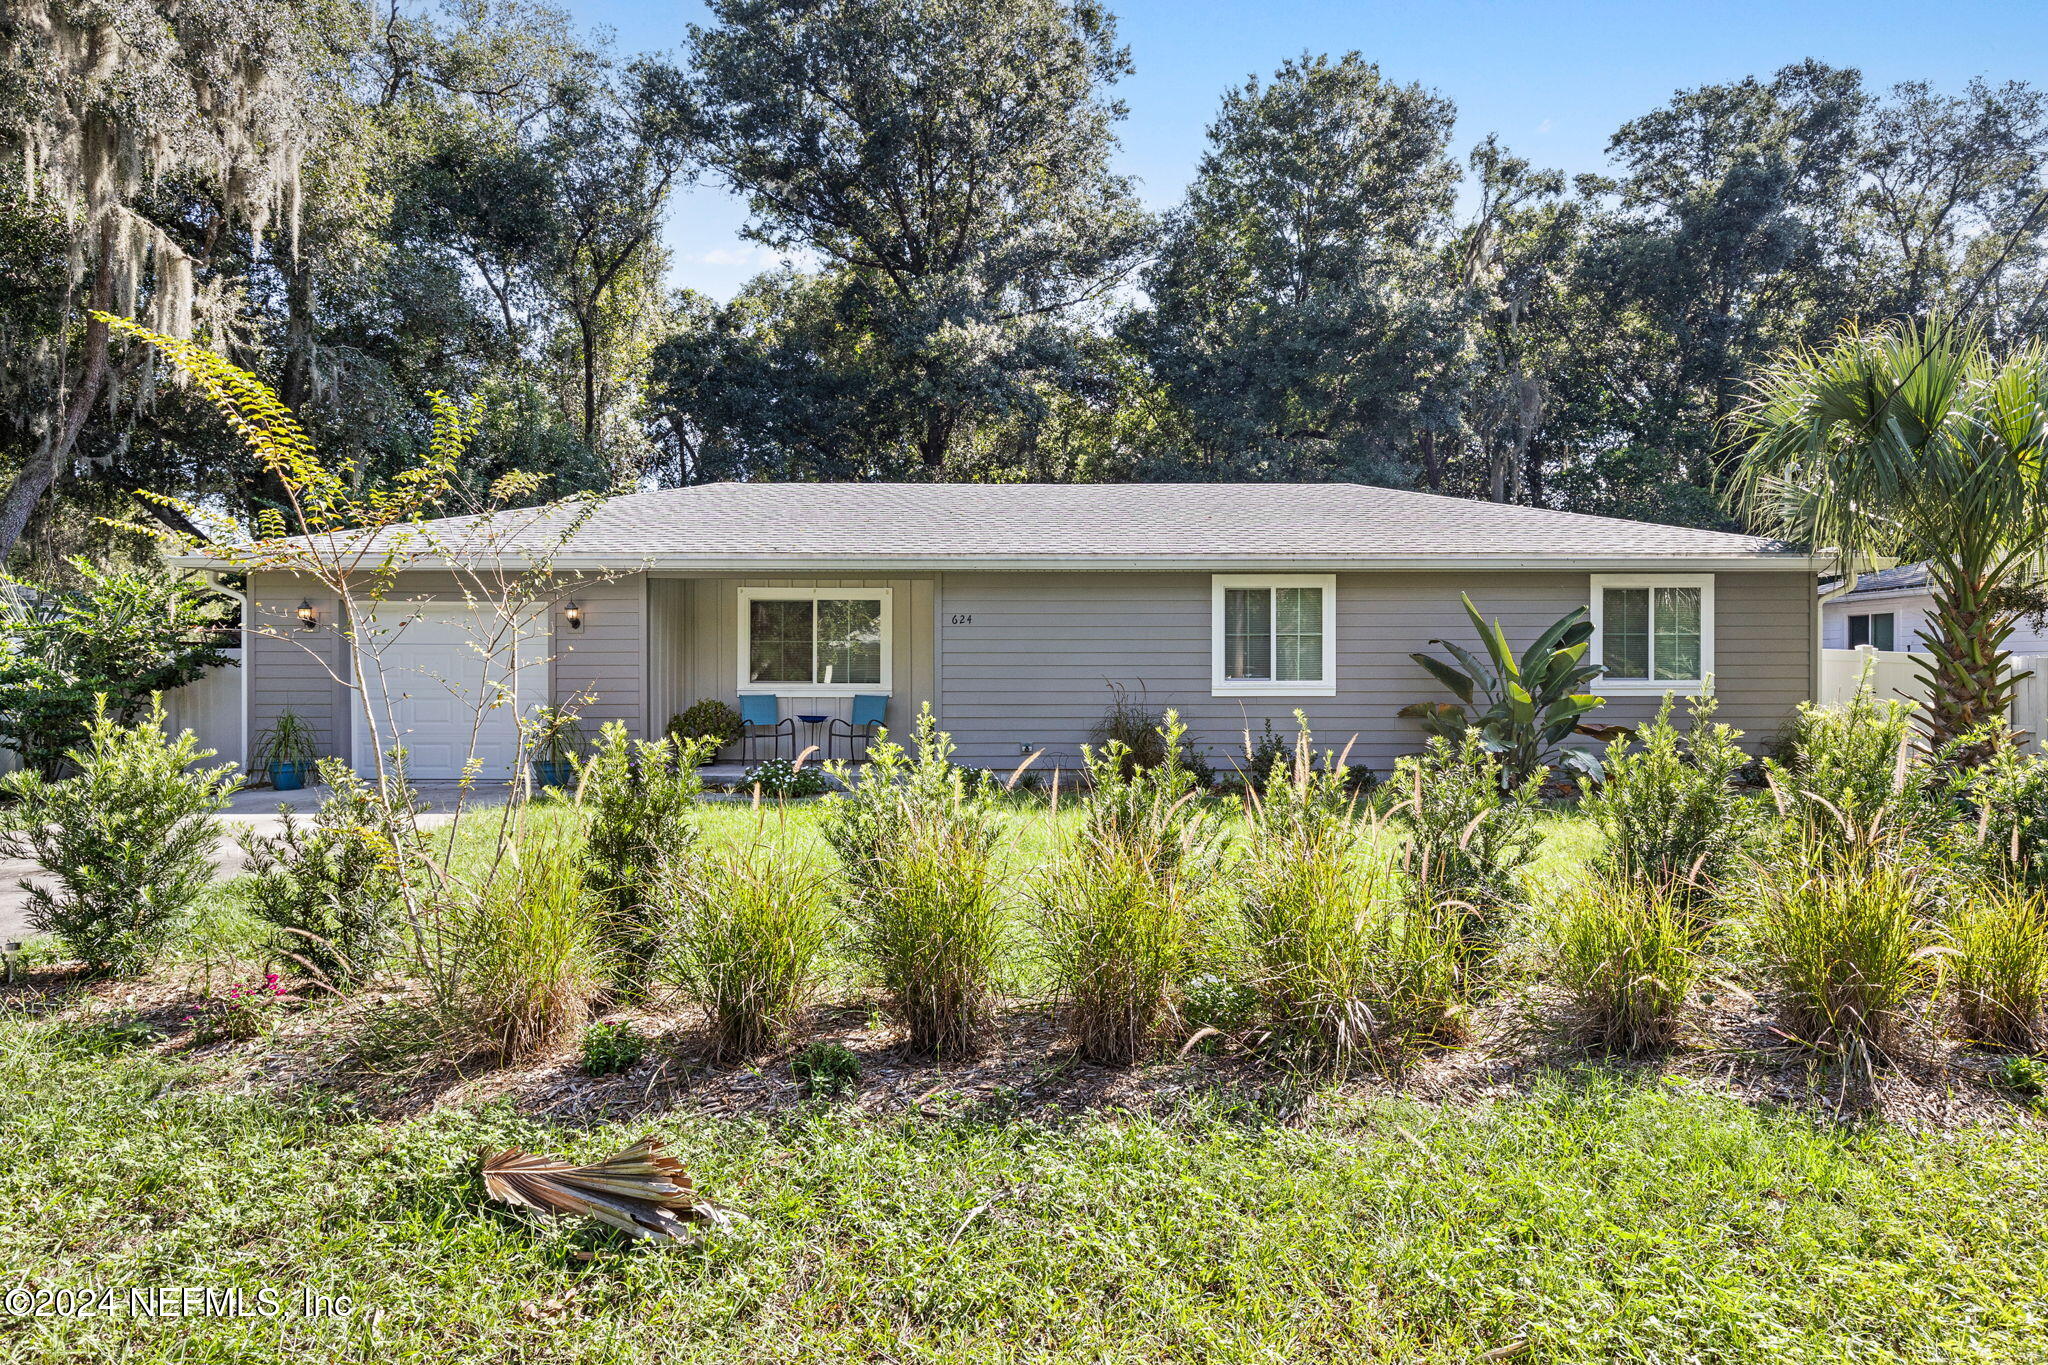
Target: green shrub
(1845, 944)
(1669, 806)
(779, 777)
(1849, 771)
(1149, 807)
(1420, 975)
(2009, 793)
(1467, 838)
(128, 842)
(1311, 901)
(1213, 1000)
(707, 719)
(917, 840)
(613, 1047)
(1998, 974)
(640, 798)
(826, 1070)
(1133, 728)
(105, 647)
(1623, 953)
(329, 889)
(2024, 1076)
(750, 924)
(530, 958)
(1265, 755)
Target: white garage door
(429, 669)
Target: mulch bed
(1026, 1070)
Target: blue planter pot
(553, 773)
(289, 777)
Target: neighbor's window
(1876, 630)
(1273, 634)
(822, 639)
(1653, 631)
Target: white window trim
(1220, 686)
(751, 595)
(1654, 687)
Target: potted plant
(554, 740)
(285, 751)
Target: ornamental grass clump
(530, 959)
(1117, 906)
(1467, 838)
(1420, 972)
(1676, 825)
(1846, 944)
(1312, 896)
(641, 799)
(1998, 969)
(749, 925)
(922, 888)
(1623, 953)
(127, 842)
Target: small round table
(814, 722)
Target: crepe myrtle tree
(1915, 442)
(353, 536)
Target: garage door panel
(427, 679)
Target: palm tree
(1913, 442)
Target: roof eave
(1732, 562)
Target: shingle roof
(1892, 579)
(1093, 523)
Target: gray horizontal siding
(607, 659)
(1034, 666)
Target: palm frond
(640, 1191)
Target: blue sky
(1553, 79)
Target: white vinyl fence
(209, 706)
(1892, 674)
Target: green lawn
(1599, 1214)
(1600, 1218)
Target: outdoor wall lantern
(573, 614)
(309, 616)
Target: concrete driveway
(257, 810)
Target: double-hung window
(1653, 632)
(814, 641)
(1274, 635)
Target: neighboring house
(1887, 610)
(1013, 608)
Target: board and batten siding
(607, 659)
(694, 643)
(1026, 659)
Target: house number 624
(963, 619)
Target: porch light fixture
(309, 617)
(573, 614)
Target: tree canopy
(364, 202)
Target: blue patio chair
(764, 713)
(867, 716)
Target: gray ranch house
(1013, 608)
